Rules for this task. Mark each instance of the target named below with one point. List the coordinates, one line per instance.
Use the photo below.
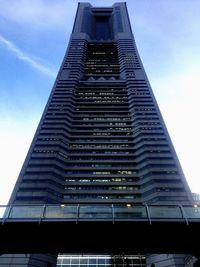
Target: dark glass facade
(101, 138)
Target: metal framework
(100, 228)
(100, 212)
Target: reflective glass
(101, 261)
(192, 212)
(4, 211)
(66, 261)
(165, 212)
(102, 29)
(128, 211)
(75, 261)
(26, 212)
(83, 261)
(92, 261)
(95, 212)
(61, 211)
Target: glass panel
(95, 212)
(26, 212)
(4, 211)
(101, 261)
(83, 261)
(128, 211)
(59, 261)
(165, 212)
(109, 261)
(75, 261)
(102, 29)
(61, 211)
(192, 212)
(66, 261)
(92, 260)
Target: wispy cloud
(39, 14)
(26, 58)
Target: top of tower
(105, 23)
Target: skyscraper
(101, 138)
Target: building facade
(101, 138)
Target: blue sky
(33, 39)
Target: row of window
(100, 123)
(111, 128)
(91, 64)
(105, 101)
(85, 196)
(111, 152)
(96, 93)
(112, 172)
(99, 140)
(118, 114)
(101, 90)
(103, 97)
(101, 180)
(100, 260)
(103, 108)
(105, 118)
(100, 158)
(120, 188)
(101, 146)
(103, 134)
(101, 72)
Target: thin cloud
(26, 58)
(39, 14)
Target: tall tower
(101, 138)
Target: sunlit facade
(101, 138)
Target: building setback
(101, 138)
